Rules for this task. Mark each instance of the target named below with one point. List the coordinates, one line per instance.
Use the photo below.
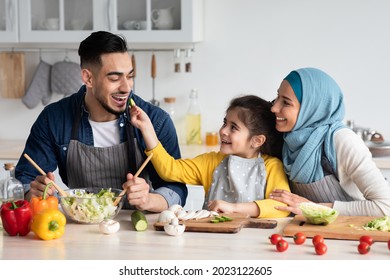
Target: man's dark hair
(99, 43)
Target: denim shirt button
(121, 124)
(64, 148)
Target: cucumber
(139, 220)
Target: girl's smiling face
(235, 137)
(286, 108)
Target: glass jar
(211, 138)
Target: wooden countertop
(85, 242)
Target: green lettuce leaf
(318, 214)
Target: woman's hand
(291, 200)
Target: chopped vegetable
(139, 220)
(218, 219)
(318, 214)
(381, 224)
(131, 102)
(89, 207)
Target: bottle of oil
(193, 120)
(11, 188)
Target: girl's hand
(292, 200)
(139, 118)
(221, 206)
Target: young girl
(238, 178)
(326, 161)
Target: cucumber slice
(139, 220)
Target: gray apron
(326, 190)
(238, 180)
(103, 167)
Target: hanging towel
(39, 88)
(65, 77)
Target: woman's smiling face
(286, 108)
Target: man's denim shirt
(50, 135)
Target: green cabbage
(318, 214)
(382, 224)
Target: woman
(326, 162)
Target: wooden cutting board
(345, 227)
(12, 74)
(234, 226)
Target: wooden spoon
(58, 188)
(136, 175)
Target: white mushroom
(202, 214)
(166, 216)
(189, 215)
(175, 208)
(174, 228)
(180, 214)
(109, 226)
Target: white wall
(250, 45)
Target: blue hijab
(320, 116)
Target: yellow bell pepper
(49, 224)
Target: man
(89, 137)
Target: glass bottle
(193, 120)
(11, 188)
(169, 107)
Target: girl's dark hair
(256, 114)
(98, 43)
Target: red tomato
(274, 238)
(366, 238)
(299, 238)
(321, 248)
(363, 248)
(281, 245)
(318, 239)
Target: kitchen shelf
(71, 21)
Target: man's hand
(139, 196)
(38, 186)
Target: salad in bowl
(91, 205)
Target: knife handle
(153, 66)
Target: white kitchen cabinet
(8, 21)
(70, 21)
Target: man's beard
(110, 110)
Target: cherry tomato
(318, 239)
(363, 248)
(366, 238)
(274, 238)
(281, 245)
(321, 248)
(299, 238)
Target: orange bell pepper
(38, 204)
